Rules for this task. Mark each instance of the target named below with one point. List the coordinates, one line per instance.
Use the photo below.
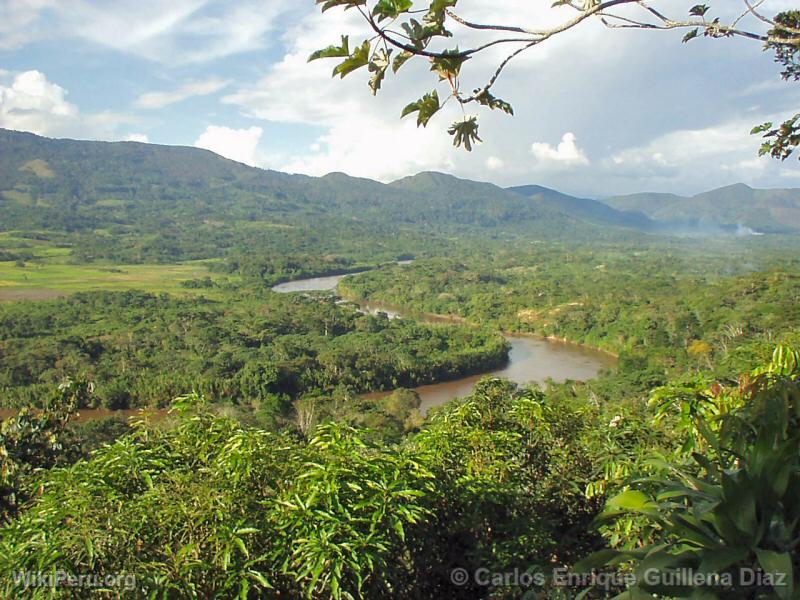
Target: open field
(49, 279)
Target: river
(531, 359)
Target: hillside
(485, 204)
(590, 210)
(131, 202)
(134, 202)
(738, 205)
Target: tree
(399, 36)
(31, 441)
(729, 507)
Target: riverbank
(533, 359)
(530, 358)
(398, 310)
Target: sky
(598, 111)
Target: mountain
(134, 202)
(590, 210)
(163, 191)
(465, 201)
(731, 207)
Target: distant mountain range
(82, 185)
(734, 206)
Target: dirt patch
(14, 294)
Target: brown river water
(531, 359)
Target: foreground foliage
(508, 480)
(210, 509)
(726, 521)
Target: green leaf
(377, 66)
(359, 58)
(465, 133)
(448, 67)
(596, 560)
(328, 4)
(720, 559)
(241, 545)
(691, 35)
(391, 9)
(401, 59)
(259, 577)
(333, 51)
(436, 13)
(426, 107)
(484, 98)
(780, 565)
(631, 500)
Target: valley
(436, 371)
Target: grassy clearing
(38, 167)
(51, 275)
(36, 281)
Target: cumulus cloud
(361, 135)
(697, 159)
(237, 144)
(32, 103)
(137, 137)
(155, 100)
(567, 153)
(725, 144)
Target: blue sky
(598, 111)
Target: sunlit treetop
(435, 31)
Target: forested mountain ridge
(592, 210)
(769, 211)
(128, 202)
(105, 184)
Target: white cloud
(358, 145)
(32, 103)
(179, 32)
(723, 144)
(154, 100)
(566, 154)
(19, 22)
(237, 144)
(362, 135)
(137, 137)
(494, 163)
(698, 159)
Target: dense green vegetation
(673, 305)
(506, 480)
(208, 508)
(272, 476)
(257, 347)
